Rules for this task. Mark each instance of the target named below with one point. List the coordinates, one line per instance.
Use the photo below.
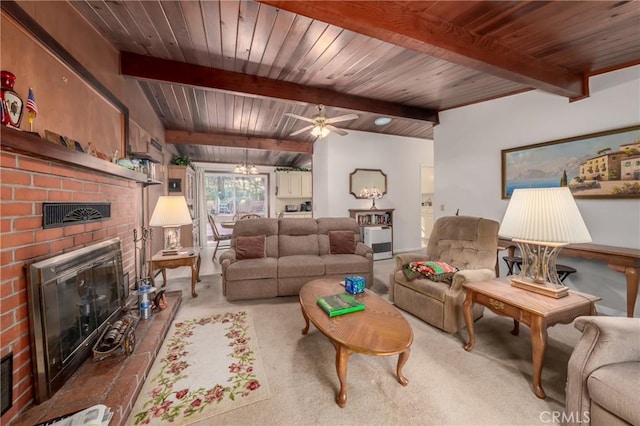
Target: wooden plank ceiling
(222, 74)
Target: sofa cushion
(297, 226)
(250, 247)
(252, 269)
(263, 226)
(342, 242)
(464, 242)
(346, 264)
(291, 245)
(328, 224)
(300, 266)
(614, 388)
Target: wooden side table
(534, 310)
(187, 256)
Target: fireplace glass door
(79, 303)
(71, 299)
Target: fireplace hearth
(71, 298)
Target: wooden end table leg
(195, 267)
(538, 346)
(402, 360)
(164, 277)
(194, 278)
(516, 328)
(632, 289)
(342, 358)
(467, 311)
(198, 268)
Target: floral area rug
(206, 366)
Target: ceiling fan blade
(299, 117)
(342, 118)
(304, 129)
(335, 129)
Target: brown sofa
(468, 243)
(603, 374)
(296, 251)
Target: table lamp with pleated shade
(171, 213)
(541, 221)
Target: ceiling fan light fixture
(381, 121)
(320, 131)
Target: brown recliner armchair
(468, 243)
(603, 374)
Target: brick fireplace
(32, 173)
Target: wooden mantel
(34, 146)
(621, 259)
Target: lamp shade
(548, 215)
(171, 210)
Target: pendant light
(245, 168)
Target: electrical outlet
(441, 207)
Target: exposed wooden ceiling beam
(169, 71)
(211, 139)
(411, 26)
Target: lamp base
(171, 240)
(548, 289)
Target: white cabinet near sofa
(293, 184)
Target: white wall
(468, 164)
(335, 157)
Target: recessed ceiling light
(381, 121)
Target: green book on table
(339, 304)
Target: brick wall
(25, 183)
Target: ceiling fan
(321, 125)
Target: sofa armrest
(471, 275)
(604, 341)
(364, 250)
(401, 260)
(227, 258)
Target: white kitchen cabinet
(305, 184)
(293, 184)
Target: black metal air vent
(62, 214)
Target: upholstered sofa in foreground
(276, 257)
(467, 243)
(603, 375)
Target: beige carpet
(492, 385)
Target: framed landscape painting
(597, 165)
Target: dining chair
(217, 237)
(249, 216)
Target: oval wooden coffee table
(379, 330)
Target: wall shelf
(32, 144)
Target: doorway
(426, 204)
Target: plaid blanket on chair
(435, 271)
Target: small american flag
(31, 102)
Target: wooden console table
(621, 259)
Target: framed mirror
(367, 178)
